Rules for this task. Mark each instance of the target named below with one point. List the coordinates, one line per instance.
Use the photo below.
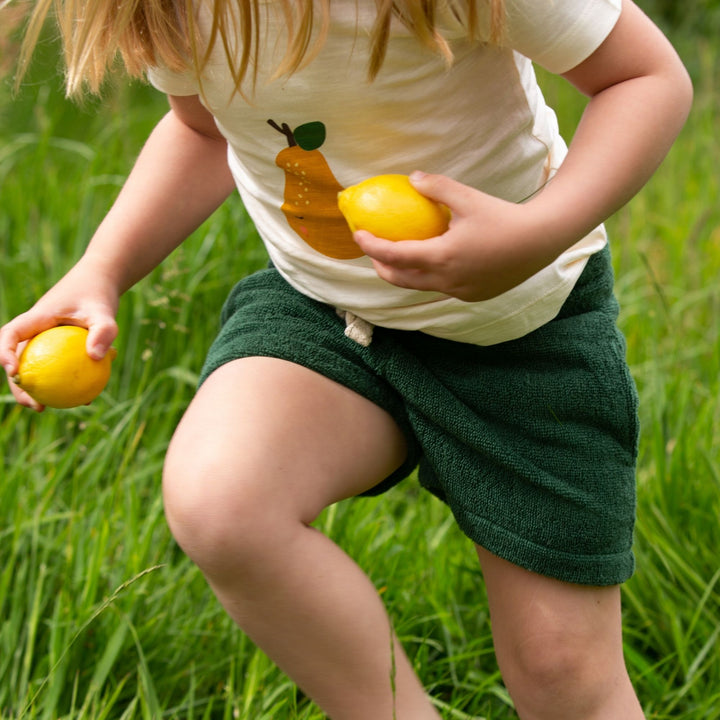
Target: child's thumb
(437, 187)
(101, 333)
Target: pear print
(310, 197)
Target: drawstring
(356, 328)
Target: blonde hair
(146, 33)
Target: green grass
(102, 617)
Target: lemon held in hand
(55, 369)
(389, 207)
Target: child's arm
(640, 96)
(180, 177)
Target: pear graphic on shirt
(310, 196)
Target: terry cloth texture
(532, 443)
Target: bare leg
(263, 448)
(559, 645)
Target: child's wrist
(556, 224)
(95, 271)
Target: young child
(494, 361)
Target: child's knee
(556, 668)
(217, 514)
(546, 661)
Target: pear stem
(284, 130)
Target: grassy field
(101, 616)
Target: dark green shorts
(532, 443)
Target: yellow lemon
(389, 207)
(55, 369)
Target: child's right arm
(180, 177)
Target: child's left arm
(640, 95)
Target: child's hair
(146, 33)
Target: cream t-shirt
(483, 121)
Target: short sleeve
(559, 34)
(173, 83)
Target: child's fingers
(22, 398)
(102, 330)
(417, 254)
(22, 328)
(408, 278)
(407, 264)
(19, 394)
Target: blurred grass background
(101, 616)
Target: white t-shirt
(483, 122)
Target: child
(494, 362)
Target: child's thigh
(289, 435)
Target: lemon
(389, 207)
(55, 369)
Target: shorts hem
(597, 570)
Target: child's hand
(73, 301)
(492, 246)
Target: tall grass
(101, 616)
